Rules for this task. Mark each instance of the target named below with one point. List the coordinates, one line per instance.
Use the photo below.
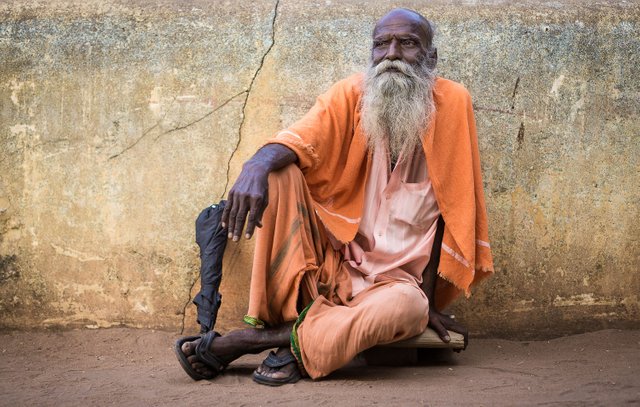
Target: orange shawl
(334, 159)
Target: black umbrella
(212, 240)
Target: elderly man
(371, 217)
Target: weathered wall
(120, 121)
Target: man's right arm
(249, 195)
(323, 135)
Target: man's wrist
(257, 165)
(270, 157)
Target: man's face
(398, 36)
(397, 102)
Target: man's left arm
(439, 322)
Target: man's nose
(394, 52)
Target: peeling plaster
(75, 254)
(582, 299)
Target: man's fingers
(251, 225)
(437, 326)
(225, 212)
(454, 326)
(255, 213)
(261, 208)
(239, 221)
(233, 212)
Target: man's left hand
(441, 323)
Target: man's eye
(378, 44)
(408, 43)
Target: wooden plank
(429, 339)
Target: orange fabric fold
(292, 255)
(333, 156)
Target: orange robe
(333, 156)
(296, 266)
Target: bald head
(415, 20)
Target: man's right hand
(248, 196)
(250, 193)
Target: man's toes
(188, 348)
(265, 370)
(203, 370)
(196, 363)
(276, 373)
(273, 375)
(199, 365)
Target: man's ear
(432, 54)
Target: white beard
(397, 106)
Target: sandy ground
(138, 368)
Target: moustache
(394, 66)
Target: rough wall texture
(119, 121)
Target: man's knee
(402, 303)
(410, 301)
(284, 179)
(286, 185)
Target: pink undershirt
(398, 225)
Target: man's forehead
(401, 21)
(395, 28)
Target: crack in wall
(186, 304)
(477, 108)
(515, 92)
(242, 123)
(244, 106)
(492, 109)
(201, 118)
(181, 127)
(144, 134)
(520, 136)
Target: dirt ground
(134, 367)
